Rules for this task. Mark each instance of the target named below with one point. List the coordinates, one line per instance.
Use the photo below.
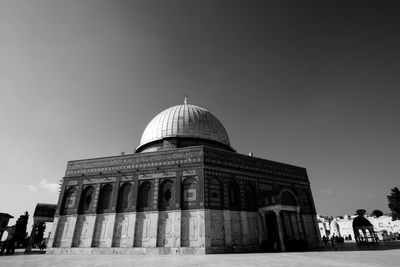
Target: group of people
(8, 247)
(335, 239)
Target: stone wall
(84, 229)
(232, 231)
(311, 230)
(124, 230)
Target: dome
(184, 121)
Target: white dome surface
(185, 121)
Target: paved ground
(380, 257)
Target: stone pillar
(280, 229)
(153, 228)
(135, 191)
(78, 196)
(178, 183)
(228, 230)
(68, 233)
(261, 223)
(61, 197)
(53, 232)
(200, 183)
(131, 229)
(154, 236)
(207, 216)
(177, 228)
(114, 200)
(245, 228)
(92, 222)
(96, 194)
(300, 225)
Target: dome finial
(185, 100)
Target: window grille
(215, 192)
(125, 197)
(189, 193)
(69, 200)
(250, 197)
(166, 196)
(86, 199)
(234, 195)
(288, 199)
(145, 196)
(105, 198)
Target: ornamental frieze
(99, 180)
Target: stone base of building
(154, 251)
(233, 249)
(127, 251)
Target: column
(114, 201)
(78, 195)
(245, 228)
(53, 232)
(261, 223)
(300, 225)
(228, 230)
(280, 229)
(177, 228)
(178, 183)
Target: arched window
(86, 202)
(125, 197)
(287, 199)
(166, 195)
(189, 193)
(105, 198)
(145, 200)
(250, 197)
(69, 201)
(234, 195)
(215, 193)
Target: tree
(20, 229)
(360, 212)
(377, 213)
(394, 203)
(39, 231)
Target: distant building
(184, 190)
(4, 219)
(384, 227)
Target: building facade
(4, 218)
(384, 227)
(184, 191)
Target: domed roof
(184, 121)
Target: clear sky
(314, 84)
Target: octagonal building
(184, 190)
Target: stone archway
(43, 213)
(283, 227)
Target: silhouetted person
(325, 240)
(333, 240)
(3, 248)
(42, 245)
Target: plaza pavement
(370, 258)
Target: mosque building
(184, 190)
